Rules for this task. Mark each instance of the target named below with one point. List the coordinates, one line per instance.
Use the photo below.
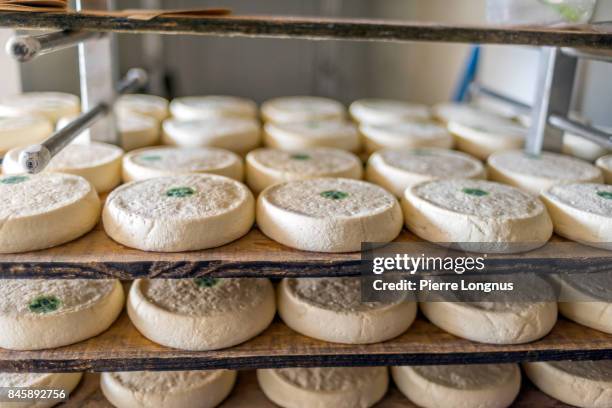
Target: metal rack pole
(25, 48)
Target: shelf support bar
(600, 137)
(517, 106)
(25, 48)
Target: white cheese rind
(212, 107)
(154, 162)
(180, 213)
(468, 386)
(405, 135)
(304, 135)
(50, 105)
(386, 111)
(586, 384)
(538, 173)
(23, 131)
(587, 300)
(47, 381)
(396, 170)
(184, 315)
(83, 309)
(305, 215)
(265, 167)
(330, 309)
(582, 148)
(167, 389)
(351, 387)
(503, 219)
(605, 165)
(294, 109)
(152, 106)
(45, 210)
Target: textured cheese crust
(212, 106)
(386, 111)
(447, 112)
(328, 215)
(169, 389)
(538, 173)
(476, 215)
(353, 387)
(50, 105)
(265, 167)
(478, 386)
(45, 210)
(42, 313)
(330, 309)
(605, 164)
(397, 170)
(582, 212)
(485, 133)
(303, 135)
(180, 213)
(152, 106)
(589, 300)
(582, 148)
(153, 162)
(405, 135)
(292, 109)
(239, 135)
(586, 384)
(67, 382)
(23, 131)
(201, 314)
(98, 163)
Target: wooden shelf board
(97, 256)
(123, 348)
(592, 36)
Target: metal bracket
(25, 48)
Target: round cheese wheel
(239, 135)
(98, 163)
(48, 313)
(582, 212)
(212, 106)
(154, 162)
(587, 299)
(167, 389)
(50, 105)
(586, 384)
(331, 309)
(292, 109)
(179, 213)
(152, 106)
(485, 133)
(385, 111)
(23, 131)
(45, 210)
(336, 387)
(582, 148)
(470, 386)
(265, 167)
(304, 135)
(45, 381)
(202, 313)
(538, 173)
(396, 170)
(476, 215)
(405, 135)
(328, 215)
(605, 164)
(451, 111)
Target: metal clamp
(27, 47)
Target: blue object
(469, 75)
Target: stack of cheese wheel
(23, 131)
(582, 212)
(44, 313)
(152, 106)
(98, 163)
(179, 213)
(47, 381)
(351, 387)
(202, 313)
(168, 389)
(45, 210)
(212, 106)
(605, 164)
(538, 173)
(154, 162)
(385, 111)
(405, 135)
(331, 309)
(478, 385)
(265, 167)
(585, 384)
(476, 215)
(304, 135)
(397, 170)
(295, 109)
(328, 214)
(50, 105)
(586, 298)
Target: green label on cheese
(475, 192)
(44, 304)
(605, 194)
(13, 179)
(180, 192)
(334, 195)
(206, 282)
(150, 158)
(300, 157)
